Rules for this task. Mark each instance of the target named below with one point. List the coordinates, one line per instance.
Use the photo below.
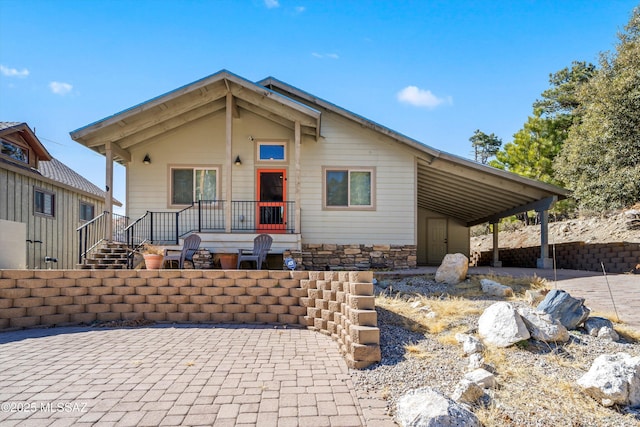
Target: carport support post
(544, 261)
(496, 252)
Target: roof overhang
(30, 138)
(474, 193)
(449, 185)
(140, 123)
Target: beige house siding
(57, 234)
(201, 143)
(345, 144)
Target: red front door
(271, 210)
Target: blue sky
(432, 70)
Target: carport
(473, 194)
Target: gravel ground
(536, 382)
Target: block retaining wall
(354, 257)
(621, 257)
(338, 304)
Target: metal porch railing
(92, 233)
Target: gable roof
(51, 168)
(158, 115)
(448, 184)
(21, 128)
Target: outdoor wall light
(146, 160)
(238, 162)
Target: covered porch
(249, 192)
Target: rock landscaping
(455, 354)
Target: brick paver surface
(179, 375)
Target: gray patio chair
(261, 246)
(190, 247)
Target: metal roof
(51, 168)
(447, 184)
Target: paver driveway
(229, 375)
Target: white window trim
(284, 143)
(193, 167)
(349, 169)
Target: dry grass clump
(429, 314)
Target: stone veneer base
(354, 257)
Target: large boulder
(426, 407)
(570, 311)
(495, 289)
(501, 325)
(613, 379)
(453, 269)
(542, 326)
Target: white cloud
(60, 88)
(271, 4)
(415, 96)
(13, 72)
(325, 55)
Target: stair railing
(92, 233)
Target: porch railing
(92, 233)
(166, 228)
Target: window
(44, 203)
(348, 188)
(193, 184)
(86, 211)
(14, 151)
(272, 151)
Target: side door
(437, 244)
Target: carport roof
(447, 184)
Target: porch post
(544, 261)
(228, 162)
(298, 191)
(496, 252)
(108, 202)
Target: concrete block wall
(620, 257)
(342, 305)
(337, 304)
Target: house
(42, 203)
(229, 158)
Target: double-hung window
(44, 203)
(191, 184)
(351, 188)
